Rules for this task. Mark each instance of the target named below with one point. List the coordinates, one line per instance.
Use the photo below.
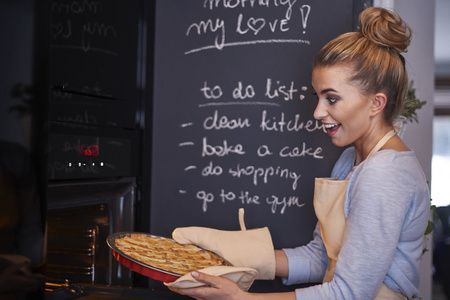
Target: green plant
(430, 226)
(412, 104)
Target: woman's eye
(332, 100)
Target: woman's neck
(366, 144)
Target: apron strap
(383, 141)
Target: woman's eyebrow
(324, 91)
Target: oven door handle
(65, 89)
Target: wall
(16, 30)
(442, 42)
(420, 16)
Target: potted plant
(410, 107)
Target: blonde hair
(374, 53)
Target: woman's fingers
(215, 287)
(205, 278)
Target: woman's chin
(339, 143)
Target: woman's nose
(320, 111)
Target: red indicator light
(88, 150)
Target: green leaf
(429, 228)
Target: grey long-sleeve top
(387, 207)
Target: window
(440, 168)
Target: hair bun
(385, 28)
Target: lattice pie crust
(166, 254)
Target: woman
(368, 241)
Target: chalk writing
(276, 204)
(221, 150)
(210, 169)
(186, 144)
(250, 103)
(209, 25)
(76, 7)
(286, 92)
(242, 92)
(269, 121)
(280, 125)
(283, 202)
(76, 25)
(92, 30)
(211, 93)
(85, 118)
(301, 152)
(263, 174)
(256, 174)
(205, 198)
(274, 91)
(251, 26)
(223, 122)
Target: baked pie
(166, 254)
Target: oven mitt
(244, 277)
(244, 248)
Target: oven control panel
(75, 156)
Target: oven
(92, 192)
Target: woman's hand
(217, 288)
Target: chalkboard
(94, 66)
(232, 122)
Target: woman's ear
(379, 101)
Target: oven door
(80, 217)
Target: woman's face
(341, 107)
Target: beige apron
(329, 196)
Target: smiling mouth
(332, 128)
